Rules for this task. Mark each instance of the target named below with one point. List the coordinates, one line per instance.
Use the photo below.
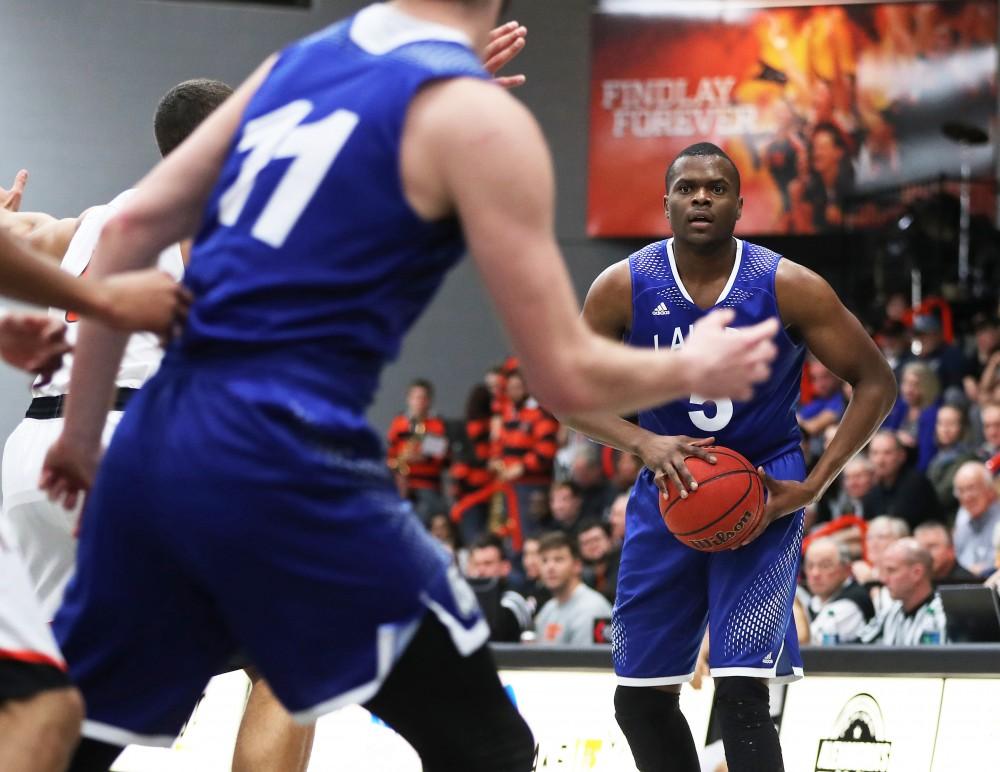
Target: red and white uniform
(41, 531)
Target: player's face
(703, 203)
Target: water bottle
(931, 634)
(829, 635)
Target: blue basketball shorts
(668, 593)
(217, 526)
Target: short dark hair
(488, 540)
(592, 522)
(183, 108)
(556, 540)
(422, 383)
(575, 491)
(705, 150)
(934, 525)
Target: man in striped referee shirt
(915, 616)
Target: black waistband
(53, 407)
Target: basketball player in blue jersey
(330, 196)
(668, 592)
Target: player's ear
(666, 205)
(739, 207)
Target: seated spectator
(616, 519)
(894, 341)
(443, 529)
(936, 539)
(899, 490)
(987, 343)
(823, 410)
(627, 468)
(950, 431)
(915, 615)
(570, 615)
(600, 558)
(914, 415)
(846, 497)
(417, 450)
(882, 531)
(596, 490)
(531, 567)
(565, 505)
(839, 607)
(945, 359)
(990, 417)
(977, 516)
(507, 612)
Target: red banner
(819, 107)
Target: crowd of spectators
(535, 514)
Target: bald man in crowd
(839, 607)
(936, 539)
(978, 516)
(915, 616)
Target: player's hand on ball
(727, 363)
(664, 456)
(34, 342)
(783, 498)
(68, 472)
(147, 300)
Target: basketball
(725, 508)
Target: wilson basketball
(725, 508)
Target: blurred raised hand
(506, 42)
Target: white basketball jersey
(143, 353)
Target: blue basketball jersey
(663, 313)
(311, 265)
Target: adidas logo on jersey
(661, 310)
(769, 659)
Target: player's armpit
(607, 309)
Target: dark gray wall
(83, 78)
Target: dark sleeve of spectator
(394, 439)
(916, 500)
(513, 618)
(545, 444)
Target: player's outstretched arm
(497, 172)
(166, 208)
(607, 310)
(811, 309)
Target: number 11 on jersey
(277, 135)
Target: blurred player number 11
(280, 134)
